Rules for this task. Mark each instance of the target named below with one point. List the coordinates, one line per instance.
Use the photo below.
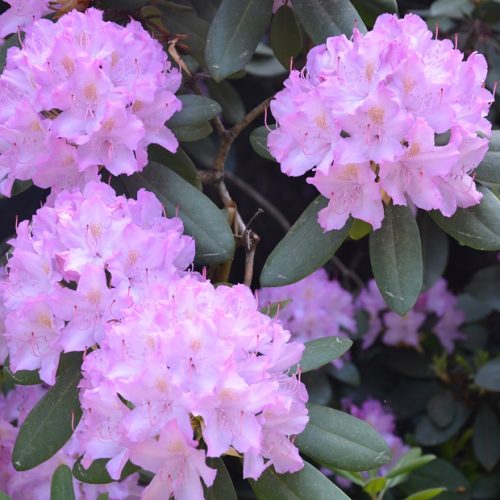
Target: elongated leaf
(425, 494)
(488, 376)
(61, 486)
(307, 484)
(396, 259)
(485, 286)
(223, 488)
(488, 172)
(478, 226)
(233, 108)
(202, 219)
(435, 249)
(369, 10)
(286, 36)
(304, 249)
(258, 140)
(324, 18)
(12, 41)
(192, 133)
(3, 496)
(179, 162)
(97, 472)
(235, 31)
(337, 439)
(52, 421)
(409, 463)
(196, 109)
(319, 352)
(23, 377)
(486, 439)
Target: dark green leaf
(337, 439)
(321, 351)
(396, 258)
(61, 486)
(305, 248)
(196, 110)
(486, 438)
(441, 408)
(473, 308)
(455, 9)
(265, 67)
(438, 474)
(488, 172)
(371, 9)
(202, 219)
(408, 362)
(192, 133)
(179, 162)
(52, 421)
(22, 377)
(478, 226)
(233, 108)
(487, 486)
(485, 286)
(488, 376)
(223, 488)
(319, 388)
(347, 374)
(206, 8)
(324, 18)
(435, 250)
(236, 29)
(425, 494)
(258, 140)
(286, 36)
(97, 472)
(11, 41)
(307, 484)
(194, 27)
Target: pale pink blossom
(22, 14)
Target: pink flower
(21, 15)
(364, 114)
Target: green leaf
(179, 162)
(359, 229)
(324, 18)
(438, 474)
(52, 421)
(61, 486)
(411, 461)
(347, 374)
(486, 438)
(488, 376)
(3, 496)
(425, 494)
(371, 9)
(307, 484)
(202, 219)
(196, 109)
(473, 308)
(320, 352)
(23, 377)
(442, 407)
(258, 140)
(485, 286)
(272, 310)
(11, 41)
(236, 29)
(478, 226)
(456, 9)
(192, 133)
(488, 172)
(337, 439)
(305, 248)
(285, 36)
(435, 249)
(396, 259)
(97, 472)
(194, 27)
(375, 486)
(223, 488)
(233, 108)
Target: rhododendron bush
(167, 332)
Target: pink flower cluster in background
(193, 357)
(35, 483)
(21, 15)
(406, 330)
(78, 265)
(83, 93)
(392, 114)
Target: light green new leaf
(476, 227)
(320, 352)
(425, 494)
(324, 18)
(305, 248)
(337, 439)
(3, 496)
(307, 484)
(196, 109)
(235, 31)
(488, 376)
(97, 472)
(61, 486)
(285, 36)
(223, 488)
(53, 419)
(396, 259)
(202, 219)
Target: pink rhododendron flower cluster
(438, 301)
(369, 115)
(21, 15)
(383, 421)
(319, 307)
(35, 483)
(83, 93)
(78, 265)
(193, 362)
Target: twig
(348, 273)
(252, 239)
